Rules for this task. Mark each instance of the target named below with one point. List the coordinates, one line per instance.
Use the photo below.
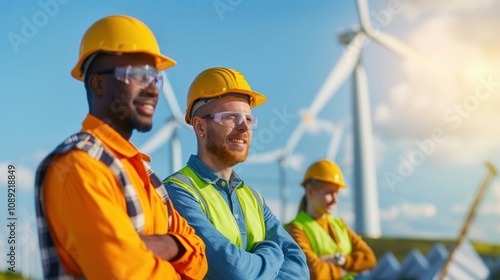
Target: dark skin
(126, 107)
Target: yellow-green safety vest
(321, 243)
(217, 211)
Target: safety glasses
(140, 77)
(233, 119)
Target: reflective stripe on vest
(218, 212)
(321, 243)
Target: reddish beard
(217, 146)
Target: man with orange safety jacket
(102, 212)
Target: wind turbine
(170, 130)
(365, 184)
(334, 80)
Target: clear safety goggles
(140, 77)
(233, 119)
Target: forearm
(192, 264)
(359, 261)
(164, 246)
(91, 228)
(263, 262)
(226, 260)
(319, 268)
(361, 257)
(294, 264)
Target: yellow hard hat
(325, 171)
(217, 81)
(119, 34)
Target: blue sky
(433, 128)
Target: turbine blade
(398, 47)
(337, 76)
(160, 137)
(265, 157)
(364, 15)
(334, 146)
(321, 125)
(172, 100)
(293, 141)
(295, 162)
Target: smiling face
(321, 198)
(220, 145)
(123, 106)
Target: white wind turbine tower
(169, 131)
(365, 182)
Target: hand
(327, 258)
(339, 260)
(165, 246)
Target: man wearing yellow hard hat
(244, 239)
(102, 212)
(332, 249)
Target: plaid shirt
(52, 267)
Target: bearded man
(244, 239)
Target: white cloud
(25, 177)
(458, 208)
(390, 214)
(458, 37)
(341, 211)
(414, 8)
(490, 209)
(414, 211)
(489, 204)
(406, 210)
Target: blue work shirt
(277, 257)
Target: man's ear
(97, 85)
(199, 126)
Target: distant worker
(332, 249)
(243, 237)
(102, 212)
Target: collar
(210, 176)
(111, 139)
